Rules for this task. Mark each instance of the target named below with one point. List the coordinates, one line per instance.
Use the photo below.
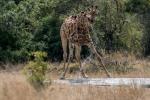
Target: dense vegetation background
(33, 25)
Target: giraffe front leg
(78, 58)
(93, 49)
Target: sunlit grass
(13, 86)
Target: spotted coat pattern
(74, 33)
(76, 29)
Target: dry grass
(118, 64)
(13, 86)
(97, 93)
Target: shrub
(35, 70)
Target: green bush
(35, 70)
(14, 57)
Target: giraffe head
(91, 13)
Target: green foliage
(115, 29)
(47, 36)
(35, 70)
(14, 56)
(33, 25)
(132, 34)
(141, 8)
(138, 6)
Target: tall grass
(13, 86)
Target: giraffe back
(69, 27)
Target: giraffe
(74, 33)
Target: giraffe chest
(83, 28)
(76, 31)
(81, 39)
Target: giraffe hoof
(85, 76)
(109, 75)
(62, 78)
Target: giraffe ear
(88, 9)
(75, 17)
(96, 7)
(82, 12)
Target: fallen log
(106, 81)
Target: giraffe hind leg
(64, 46)
(71, 48)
